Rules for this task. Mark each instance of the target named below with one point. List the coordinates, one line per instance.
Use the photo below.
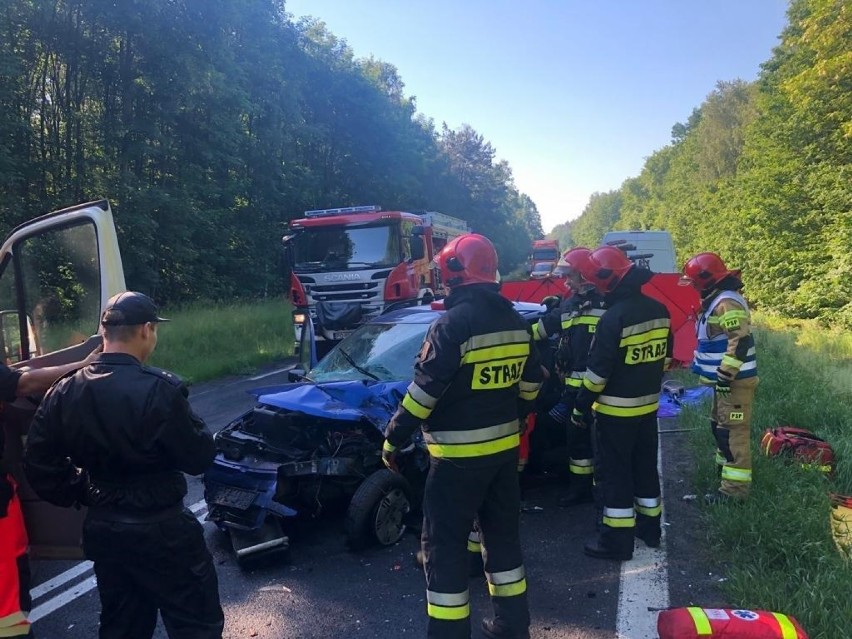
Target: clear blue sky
(574, 94)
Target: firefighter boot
(648, 530)
(579, 491)
(611, 544)
(496, 629)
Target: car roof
(427, 314)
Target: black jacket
(116, 434)
(629, 353)
(575, 321)
(477, 372)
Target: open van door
(56, 274)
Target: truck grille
(345, 292)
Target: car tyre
(377, 511)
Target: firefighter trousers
(580, 456)
(455, 495)
(730, 421)
(15, 601)
(627, 480)
(143, 568)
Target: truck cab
(348, 265)
(56, 274)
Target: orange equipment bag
(524, 448)
(801, 445)
(717, 623)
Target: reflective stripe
(733, 362)
(387, 446)
(421, 396)
(720, 459)
(595, 388)
(472, 436)
(528, 390)
(732, 473)
(494, 353)
(650, 507)
(474, 544)
(574, 382)
(581, 467)
(732, 319)
(643, 327)
(506, 576)
(412, 406)
(492, 340)
(474, 450)
(448, 606)
(508, 590)
(702, 623)
(627, 406)
(594, 378)
(619, 517)
(788, 630)
(540, 331)
(586, 321)
(647, 336)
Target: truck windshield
(342, 247)
(545, 254)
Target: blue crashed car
(315, 444)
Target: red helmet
(574, 258)
(704, 270)
(468, 259)
(605, 267)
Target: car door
(56, 274)
(307, 350)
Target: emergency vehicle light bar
(347, 210)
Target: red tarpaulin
(682, 301)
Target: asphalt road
(326, 591)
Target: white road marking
(271, 373)
(80, 589)
(644, 583)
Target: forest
(209, 124)
(760, 172)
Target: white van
(651, 249)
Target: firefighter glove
(389, 453)
(723, 386)
(559, 413)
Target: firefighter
(574, 321)
(476, 377)
(15, 601)
(630, 350)
(725, 359)
(117, 436)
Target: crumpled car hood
(348, 401)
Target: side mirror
(416, 247)
(295, 375)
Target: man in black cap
(117, 436)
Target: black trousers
(580, 455)
(455, 495)
(626, 478)
(147, 568)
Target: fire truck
(543, 258)
(350, 264)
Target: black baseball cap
(130, 309)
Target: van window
(51, 290)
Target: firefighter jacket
(725, 344)
(477, 373)
(630, 350)
(575, 322)
(116, 435)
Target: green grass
(206, 341)
(777, 549)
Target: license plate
(230, 497)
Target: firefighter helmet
(570, 267)
(705, 270)
(468, 259)
(605, 268)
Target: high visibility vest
(716, 623)
(13, 544)
(710, 351)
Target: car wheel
(377, 511)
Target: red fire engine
(350, 264)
